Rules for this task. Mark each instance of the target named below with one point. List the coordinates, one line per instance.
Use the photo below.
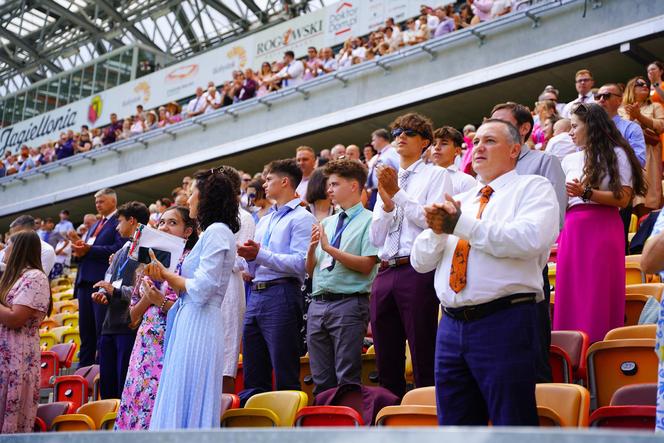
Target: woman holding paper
(189, 394)
(148, 308)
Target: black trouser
(626, 216)
(543, 327)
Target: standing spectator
(112, 130)
(481, 10)
(403, 302)
(369, 153)
(396, 29)
(163, 117)
(446, 148)
(117, 335)
(25, 223)
(306, 161)
(25, 300)
(638, 107)
(327, 63)
(409, 36)
(265, 80)
(393, 40)
(423, 31)
(62, 258)
(96, 139)
(257, 203)
(247, 85)
(655, 72)
(488, 280)
(276, 262)
(149, 309)
(317, 196)
(386, 155)
(345, 55)
(532, 162)
(94, 250)
(353, 152)
(445, 24)
(244, 185)
(343, 265)
(466, 16)
(26, 161)
(152, 121)
(212, 99)
(189, 394)
(64, 148)
(174, 112)
(337, 151)
(584, 84)
(196, 105)
(312, 64)
(601, 178)
(544, 110)
(64, 225)
(293, 71)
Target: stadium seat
(65, 295)
(616, 363)
(229, 401)
(68, 306)
(47, 412)
(53, 361)
(72, 336)
(633, 223)
(48, 324)
(651, 289)
(636, 331)
(561, 365)
(421, 396)
(88, 417)
(625, 417)
(644, 394)
(70, 319)
(575, 344)
(633, 274)
(108, 421)
(317, 416)
(407, 415)
(369, 368)
(306, 380)
(60, 331)
(268, 409)
(548, 418)
(634, 304)
(552, 276)
(47, 340)
(570, 402)
(76, 388)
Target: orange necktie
(460, 258)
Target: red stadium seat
(561, 365)
(71, 388)
(575, 344)
(644, 394)
(626, 417)
(229, 401)
(46, 413)
(317, 416)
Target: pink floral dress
(20, 355)
(145, 365)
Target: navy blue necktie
(337, 236)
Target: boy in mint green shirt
(342, 263)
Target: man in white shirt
(488, 249)
(584, 84)
(293, 71)
(27, 223)
(446, 148)
(328, 62)
(403, 302)
(197, 105)
(306, 161)
(561, 143)
(386, 155)
(212, 99)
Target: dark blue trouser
(90, 319)
(271, 339)
(114, 353)
(486, 369)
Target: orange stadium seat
(88, 417)
(417, 408)
(651, 289)
(569, 402)
(268, 409)
(636, 331)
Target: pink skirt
(590, 272)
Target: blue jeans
(271, 339)
(486, 369)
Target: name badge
(117, 284)
(91, 241)
(326, 262)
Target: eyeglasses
(641, 83)
(606, 96)
(584, 80)
(246, 179)
(396, 132)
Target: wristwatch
(587, 193)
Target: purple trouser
(404, 306)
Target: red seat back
(328, 416)
(65, 353)
(89, 373)
(575, 344)
(229, 401)
(49, 368)
(644, 394)
(71, 388)
(47, 412)
(625, 417)
(561, 365)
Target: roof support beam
(115, 15)
(228, 12)
(27, 48)
(258, 12)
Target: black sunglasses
(641, 83)
(605, 96)
(396, 132)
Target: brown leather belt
(394, 262)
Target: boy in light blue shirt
(342, 263)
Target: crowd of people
(248, 83)
(418, 219)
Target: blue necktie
(337, 236)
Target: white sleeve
(624, 168)
(427, 251)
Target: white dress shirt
(461, 182)
(573, 168)
(561, 145)
(216, 100)
(295, 70)
(47, 258)
(196, 105)
(567, 110)
(509, 245)
(427, 184)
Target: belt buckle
(392, 263)
(261, 286)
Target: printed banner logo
(95, 108)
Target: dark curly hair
(348, 169)
(188, 223)
(218, 202)
(602, 136)
(416, 122)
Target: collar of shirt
(414, 167)
(499, 182)
(350, 212)
(525, 150)
(291, 204)
(452, 168)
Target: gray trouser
(335, 331)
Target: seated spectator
(345, 55)
(423, 32)
(428, 13)
(113, 130)
(265, 80)
(197, 104)
(3, 169)
(353, 152)
(409, 36)
(64, 148)
(466, 16)
(96, 138)
(393, 40)
(25, 160)
(152, 121)
(395, 29)
(85, 136)
(126, 133)
(163, 118)
(213, 100)
(383, 49)
(312, 64)
(337, 151)
(481, 10)
(293, 70)
(174, 112)
(445, 24)
(47, 152)
(327, 63)
(561, 143)
(359, 50)
(246, 85)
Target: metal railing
(430, 47)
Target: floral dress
(20, 355)
(145, 365)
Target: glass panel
(31, 106)
(18, 108)
(86, 89)
(125, 61)
(52, 95)
(75, 86)
(146, 62)
(8, 108)
(112, 73)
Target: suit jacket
(93, 265)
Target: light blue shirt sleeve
(634, 135)
(291, 262)
(212, 273)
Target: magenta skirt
(590, 272)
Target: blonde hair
(628, 94)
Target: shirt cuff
(262, 256)
(465, 226)
(400, 198)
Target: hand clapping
(575, 188)
(443, 217)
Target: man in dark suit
(94, 251)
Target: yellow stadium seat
(47, 340)
(60, 331)
(88, 417)
(65, 306)
(408, 373)
(72, 336)
(108, 421)
(276, 408)
(47, 324)
(613, 364)
(569, 402)
(633, 274)
(70, 320)
(635, 331)
(552, 276)
(369, 369)
(62, 296)
(651, 289)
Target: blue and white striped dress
(189, 394)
